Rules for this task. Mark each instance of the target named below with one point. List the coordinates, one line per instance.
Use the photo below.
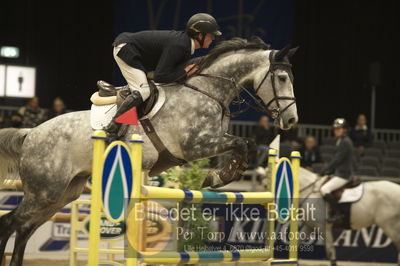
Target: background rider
(340, 166)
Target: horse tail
(11, 140)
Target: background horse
(378, 205)
(54, 159)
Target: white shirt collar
(192, 48)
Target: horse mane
(228, 46)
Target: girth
(165, 159)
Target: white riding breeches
(334, 183)
(135, 78)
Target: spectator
(310, 153)
(263, 135)
(30, 115)
(296, 144)
(58, 108)
(361, 135)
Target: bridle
(259, 106)
(274, 65)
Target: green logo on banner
(109, 229)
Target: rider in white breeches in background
(340, 166)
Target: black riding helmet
(339, 123)
(202, 23)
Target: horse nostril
(292, 121)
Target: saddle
(118, 94)
(353, 182)
(344, 196)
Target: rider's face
(208, 40)
(339, 131)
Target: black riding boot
(336, 214)
(134, 99)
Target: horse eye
(282, 78)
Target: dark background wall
(339, 39)
(70, 44)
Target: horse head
(237, 64)
(274, 85)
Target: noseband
(274, 112)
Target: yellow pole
(143, 224)
(294, 227)
(73, 235)
(133, 225)
(99, 137)
(271, 206)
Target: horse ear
(257, 39)
(282, 53)
(292, 52)
(259, 42)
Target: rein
(311, 185)
(225, 110)
(274, 113)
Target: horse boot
(336, 216)
(232, 171)
(132, 100)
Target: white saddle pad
(352, 194)
(101, 115)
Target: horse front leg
(329, 246)
(213, 146)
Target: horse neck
(307, 178)
(240, 66)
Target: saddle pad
(101, 115)
(352, 194)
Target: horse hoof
(206, 182)
(212, 180)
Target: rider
(159, 51)
(340, 166)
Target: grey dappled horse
(54, 159)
